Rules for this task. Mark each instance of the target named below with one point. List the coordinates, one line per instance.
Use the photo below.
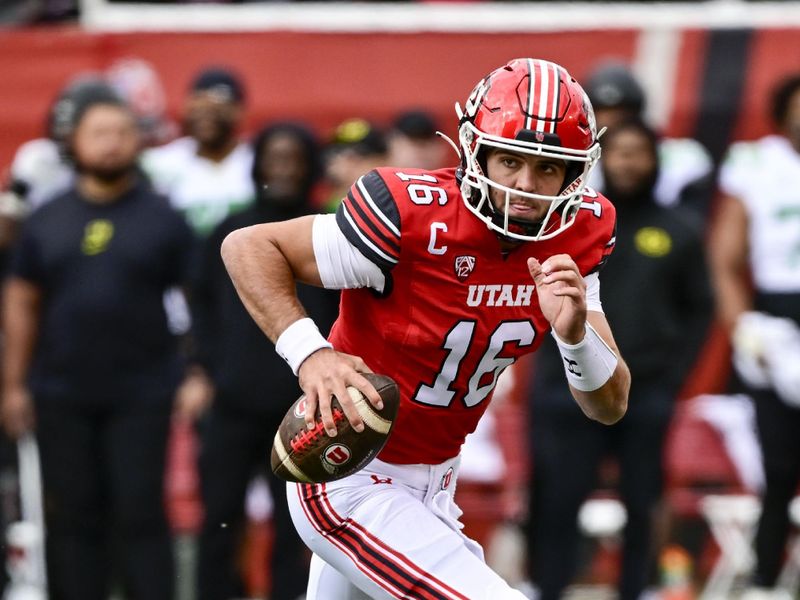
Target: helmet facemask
(476, 185)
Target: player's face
(526, 173)
(283, 167)
(211, 119)
(106, 141)
(628, 163)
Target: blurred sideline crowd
(127, 352)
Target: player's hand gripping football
(327, 373)
(562, 295)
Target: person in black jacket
(90, 363)
(656, 295)
(253, 384)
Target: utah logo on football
(335, 456)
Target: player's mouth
(526, 210)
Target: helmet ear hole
(481, 160)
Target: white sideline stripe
(372, 419)
(656, 68)
(288, 462)
(100, 15)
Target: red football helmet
(533, 107)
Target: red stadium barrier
(321, 78)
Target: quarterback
(448, 277)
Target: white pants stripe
(390, 531)
(379, 562)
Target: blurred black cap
(359, 136)
(416, 124)
(221, 82)
(75, 99)
(613, 85)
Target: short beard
(643, 190)
(106, 175)
(224, 134)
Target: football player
(448, 277)
(755, 261)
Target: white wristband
(299, 341)
(589, 363)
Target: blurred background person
(756, 273)
(413, 143)
(42, 167)
(253, 384)
(206, 174)
(656, 294)
(685, 171)
(89, 362)
(356, 147)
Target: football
(307, 455)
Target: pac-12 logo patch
(336, 455)
(464, 266)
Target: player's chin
(531, 214)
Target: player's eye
(548, 168)
(509, 162)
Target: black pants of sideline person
(235, 446)
(779, 435)
(103, 473)
(567, 451)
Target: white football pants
(391, 531)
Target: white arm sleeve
(340, 264)
(593, 292)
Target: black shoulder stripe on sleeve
(369, 218)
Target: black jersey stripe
(388, 242)
(379, 197)
(346, 221)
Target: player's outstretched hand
(562, 295)
(327, 373)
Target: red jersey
(456, 311)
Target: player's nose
(526, 180)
